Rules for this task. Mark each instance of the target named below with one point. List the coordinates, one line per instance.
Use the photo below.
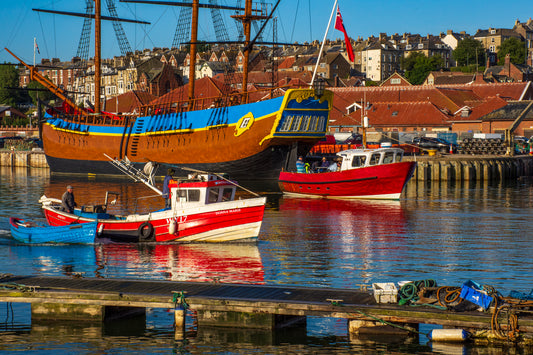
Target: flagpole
(323, 42)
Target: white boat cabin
(201, 189)
(359, 158)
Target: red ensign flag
(340, 26)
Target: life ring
(145, 232)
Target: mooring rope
(179, 300)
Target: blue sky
(298, 20)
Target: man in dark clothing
(166, 191)
(67, 200)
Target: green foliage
(15, 121)
(472, 68)
(201, 47)
(417, 66)
(469, 51)
(40, 92)
(371, 83)
(9, 77)
(515, 47)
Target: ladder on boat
(146, 176)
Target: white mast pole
(323, 42)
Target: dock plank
(281, 299)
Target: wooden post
(180, 316)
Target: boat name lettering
(235, 210)
(179, 219)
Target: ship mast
(192, 53)
(246, 22)
(97, 53)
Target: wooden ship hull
(253, 140)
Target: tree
(515, 47)
(39, 91)
(9, 78)
(417, 66)
(469, 51)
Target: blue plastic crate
(471, 291)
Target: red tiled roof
(129, 101)
(397, 114)
(448, 98)
(204, 87)
(508, 91)
(287, 63)
(489, 105)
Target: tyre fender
(146, 232)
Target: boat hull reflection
(361, 218)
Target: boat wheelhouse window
(374, 159)
(227, 194)
(192, 195)
(358, 161)
(398, 157)
(212, 194)
(388, 158)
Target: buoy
(451, 335)
(530, 149)
(451, 149)
(172, 227)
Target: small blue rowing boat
(33, 233)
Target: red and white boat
(363, 174)
(203, 209)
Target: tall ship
(246, 134)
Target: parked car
(356, 139)
(426, 143)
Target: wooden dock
(230, 305)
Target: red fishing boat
(203, 209)
(357, 173)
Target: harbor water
(450, 232)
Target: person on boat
(166, 190)
(300, 165)
(67, 200)
(336, 166)
(324, 165)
